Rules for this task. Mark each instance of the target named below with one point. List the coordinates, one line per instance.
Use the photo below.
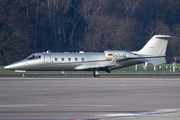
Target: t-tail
(154, 51)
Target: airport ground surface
(89, 98)
(91, 75)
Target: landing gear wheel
(23, 75)
(96, 73)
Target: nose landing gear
(23, 75)
(21, 71)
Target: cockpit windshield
(33, 57)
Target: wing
(97, 65)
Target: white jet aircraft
(153, 52)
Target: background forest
(28, 26)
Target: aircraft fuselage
(67, 61)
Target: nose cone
(8, 67)
(15, 66)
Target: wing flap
(97, 65)
(89, 66)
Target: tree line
(28, 26)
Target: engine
(121, 54)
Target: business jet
(153, 52)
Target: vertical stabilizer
(156, 46)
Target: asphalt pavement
(89, 98)
(91, 75)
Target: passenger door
(47, 59)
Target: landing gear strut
(96, 73)
(23, 75)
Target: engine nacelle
(121, 54)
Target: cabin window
(82, 59)
(62, 59)
(76, 59)
(69, 59)
(56, 59)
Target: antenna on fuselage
(48, 51)
(81, 51)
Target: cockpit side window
(33, 57)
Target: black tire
(23, 75)
(96, 75)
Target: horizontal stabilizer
(155, 61)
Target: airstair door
(47, 59)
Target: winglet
(113, 62)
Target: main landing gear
(96, 73)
